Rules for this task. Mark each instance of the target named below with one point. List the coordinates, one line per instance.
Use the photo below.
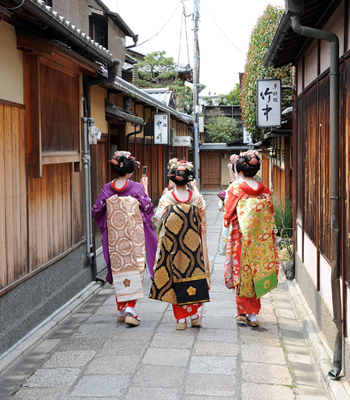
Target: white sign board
(161, 128)
(269, 96)
(182, 141)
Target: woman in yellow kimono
(181, 271)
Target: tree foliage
(183, 96)
(260, 40)
(157, 70)
(231, 99)
(220, 129)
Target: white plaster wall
(311, 64)
(310, 258)
(299, 241)
(11, 65)
(334, 25)
(300, 77)
(325, 281)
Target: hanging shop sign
(161, 128)
(182, 141)
(269, 95)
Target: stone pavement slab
(88, 355)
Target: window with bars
(55, 114)
(59, 110)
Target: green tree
(231, 99)
(157, 70)
(183, 96)
(208, 101)
(220, 129)
(261, 37)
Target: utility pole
(196, 88)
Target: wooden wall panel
(50, 219)
(309, 161)
(323, 161)
(345, 193)
(298, 167)
(13, 194)
(278, 179)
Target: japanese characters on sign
(182, 141)
(268, 92)
(161, 128)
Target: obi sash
(126, 243)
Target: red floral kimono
(251, 262)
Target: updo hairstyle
(180, 172)
(123, 163)
(249, 164)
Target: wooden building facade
(52, 77)
(315, 262)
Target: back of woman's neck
(120, 182)
(181, 193)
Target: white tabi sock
(131, 311)
(252, 317)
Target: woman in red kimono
(251, 261)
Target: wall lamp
(272, 152)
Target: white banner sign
(161, 128)
(182, 141)
(269, 96)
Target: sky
(225, 28)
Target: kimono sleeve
(99, 210)
(160, 212)
(145, 203)
(230, 208)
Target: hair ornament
(234, 158)
(177, 170)
(125, 154)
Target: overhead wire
(224, 33)
(183, 21)
(160, 29)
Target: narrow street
(83, 353)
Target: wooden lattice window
(55, 114)
(59, 94)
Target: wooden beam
(35, 115)
(112, 109)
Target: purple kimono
(99, 212)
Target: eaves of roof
(222, 147)
(118, 20)
(59, 23)
(286, 45)
(139, 94)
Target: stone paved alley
(83, 353)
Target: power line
(183, 20)
(160, 29)
(224, 32)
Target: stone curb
(41, 331)
(314, 338)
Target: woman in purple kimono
(123, 211)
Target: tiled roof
(52, 18)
